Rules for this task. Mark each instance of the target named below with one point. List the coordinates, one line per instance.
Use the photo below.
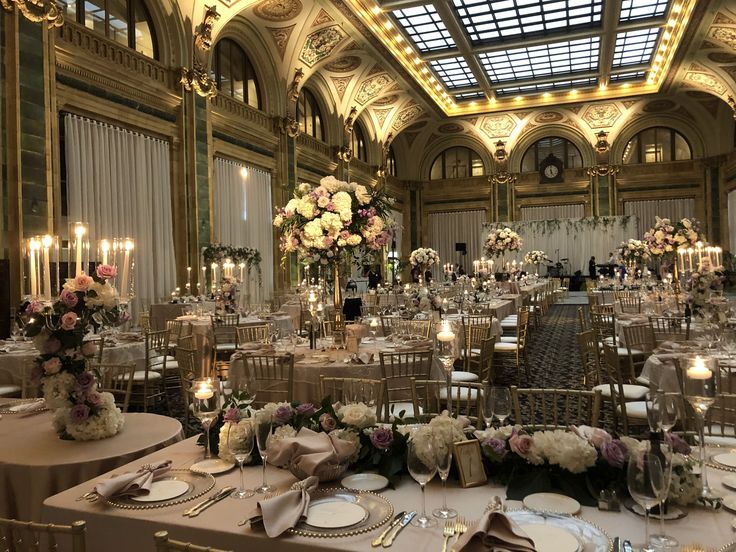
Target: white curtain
(732, 220)
(573, 239)
(119, 182)
(447, 229)
(647, 211)
(551, 212)
(243, 218)
(398, 216)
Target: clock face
(551, 171)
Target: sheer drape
(550, 212)
(572, 239)
(647, 211)
(447, 229)
(242, 203)
(119, 182)
(732, 220)
(399, 234)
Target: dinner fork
(460, 528)
(448, 533)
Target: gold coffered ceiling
(480, 56)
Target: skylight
(632, 10)
(544, 87)
(454, 72)
(635, 47)
(425, 28)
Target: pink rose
(34, 307)
(69, 320)
(52, 366)
(327, 422)
(89, 348)
(521, 444)
(82, 282)
(69, 298)
(94, 398)
(106, 272)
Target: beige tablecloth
(35, 463)
(115, 530)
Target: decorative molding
(203, 37)
(322, 18)
(37, 11)
(341, 84)
(281, 36)
(406, 116)
(498, 126)
(381, 115)
(293, 91)
(601, 115)
(197, 78)
(372, 87)
(603, 169)
(344, 64)
(290, 126)
(707, 81)
(278, 10)
(321, 44)
(350, 120)
(345, 153)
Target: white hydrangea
(362, 195)
(232, 430)
(566, 450)
(358, 415)
(351, 437)
(108, 421)
(56, 389)
(306, 208)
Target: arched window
(655, 145)
(357, 142)
(234, 73)
(391, 162)
(561, 148)
(309, 116)
(457, 162)
(127, 22)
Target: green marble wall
(202, 171)
(602, 187)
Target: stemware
(422, 466)
(661, 540)
(645, 480)
(446, 348)
(206, 406)
(444, 461)
(240, 443)
(487, 407)
(243, 385)
(500, 403)
(263, 424)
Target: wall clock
(551, 169)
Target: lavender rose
(69, 298)
(497, 447)
(106, 272)
(232, 415)
(69, 320)
(34, 307)
(283, 414)
(306, 409)
(677, 443)
(89, 348)
(382, 438)
(614, 452)
(79, 413)
(327, 422)
(85, 380)
(52, 366)
(94, 398)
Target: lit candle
(204, 392)
(46, 242)
(34, 246)
(699, 370)
(699, 247)
(124, 286)
(681, 252)
(445, 334)
(374, 323)
(690, 257)
(214, 277)
(718, 256)
(189, 278)
(242, 268)
(79, 231)
(105, 249)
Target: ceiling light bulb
(625, 85)
(655, 68)
(444, 94)
(453, 105)
(650, 80)
(573, 92)
(407, 50)
(519, 98)
(493, 101)
(602, 86)
(437, 87)
(399, 38)
(666, 35)
(431, 78)
(376, 10)
(388, 25)
(425, 70)
(671, 23)
(546, 95)
(473, 103)
(417, 61)
(676, 8)
(658, 58)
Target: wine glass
(661, 540)
(487, 407)
(444, 461)
(645, 480)
(243, 384)
(206, 406)
(422, 466)
(662, 411)
(500, 403)
(263, 424)
(240, 443)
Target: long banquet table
(35, 463)
(114, 530)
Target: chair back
(474, 336)
(273, 375)
(396, 371)
(144, 321)
(583, 320)
(721, 418)
(225, 328)
(30, 536)
(157, 347)
(117, 379)
(100, 350)
(253, 334)
(175, 328)
(604, 325)
(639, 339)
(670, 328)
(422, 328)
(349, 390)
(545, 409)
(165, 544)
(630, 304)
(590, 358)
(612, 368)
(522, 327)
(389, 323)
(186, 359)
(429, 399)
(486, 372)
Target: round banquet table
(35, 463)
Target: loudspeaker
(461, 248)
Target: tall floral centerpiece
(501, 240)
(633, 251)
(700, 287)
(86, 303)
(328, 223)
(665, 237)
(423, 258)
(536, 258)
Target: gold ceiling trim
(37, 11)
(383, 28)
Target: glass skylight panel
(547, 86)
(630, 76)
(465, 96)
(425, 28)
(497, 20)
(631, 10)
(454, 72)
(635, 47)
(545, 60)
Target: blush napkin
(132, 483)
(283, 512)
(494, 532)
(310, 451)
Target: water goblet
(206, 406)
(645, 480)
(422, 466)
(661, 540)
(444, 462)
(240, 443)
(263, 424)
(500, 403)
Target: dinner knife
(196, 510)
(389, 540)
(379, 539)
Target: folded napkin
(284, 511)
(416, 344)
(132, 483)
(27, 406)
(310, 452)
(495, 532)
(360, 358)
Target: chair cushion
(460, 375)
(636, 409)
(397, 407)
(724, 436)
(225, 347)
(170, 365)
(10, 390)
(139, 376)
(160, 359)
(463, 394)
(505, 324)
(631, 392)
(643, 380)
(505, 347)
(508, 339)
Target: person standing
(591, 268)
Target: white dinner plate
(333, 514)
(365, 482)
(729, 502)
(725, 459)
(730, 481)
(165, 489)
(212, 466)
(552, 502)
(548, 538)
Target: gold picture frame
(469, 463)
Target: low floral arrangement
(665, 237)
(501, 240)
(633, 251)
(424, 299)
(424, 257)
(218, 253)
(229, 294)
(321, 222)
(536, 257)
(579, 462)
(70, 389)
(700, 287)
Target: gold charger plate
(200, 483)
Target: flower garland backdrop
(218, 253)
(86, 303)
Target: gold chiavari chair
(396, 371)
(175, 332)
(429, 398)
(670, 328)
(516, 350)
(474, 336)
(556, 408)
(590, 358)
(273, 375)
(346, 390)
(421, 328)
(30, 536)
(117, 379)
(583, 320)
(603, 322)
(331, 326)
(627, 398)
(252, 334)
(148, 388)
(165, 544)
(639, 340)
(99, 356)
(389, 324)
(144, 321)
(630, 304)
(480, 367)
